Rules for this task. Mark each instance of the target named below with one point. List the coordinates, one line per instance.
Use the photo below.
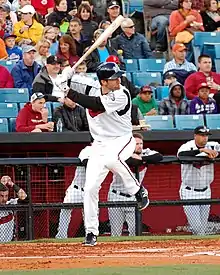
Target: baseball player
(109, 117)
(117, 192)
(196, 178)
(74, 194)
(7, 216)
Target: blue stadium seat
(160, 122)
(142, 78)
(217, 65)
(48, 105)
(8, 110)
(213, 121)
(162, 92)
(135, 5)
(8, 64)
(14, 95)
(131, 65)
(217, 51)
(12, 124)
(188, 122)
(128, 75)
(151, 65)
(55, 105)
(3, 125)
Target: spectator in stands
(50, 34)
(42, 53)
(204, 74)
(60, 14)
(25, 71)
(56, 27)
(169, 78)
(88, 25)
(95, 16)
(81, 41)
(159, 12)
(175, 104)
(45, 81)
(43, 7)
(6, 80)
(3, 52)
(211, 16)
(113, 11)
(28, 30)
(6, 25)
(14, 52)
(203, 104)
(33, 117)
(183, 23)
(100, 54)
(146, 102)
(67, 49)
(19, 4)
(134, 45)
(104, 24)
(72, 116)
(198, 4)
(7, 224)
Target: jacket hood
(174, 84)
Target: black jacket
(209, 24)
(88, 28)
(58, 17)
(73, 119)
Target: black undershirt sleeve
(190, 153)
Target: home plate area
(139, 253)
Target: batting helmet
(108, 70)
(113, 58)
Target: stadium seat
(151, 65)
(128, 75)
(12, 124)
(160, 122)
(3, 125)
(135, 5)
(9, 64)
(213, 121)
(162, 92)
(188, 122)
(217, 65)
(8, 110)
(131, 65)
(143, 78)
(55, 105)
(48, 105)
(217, 51)
(14, 95)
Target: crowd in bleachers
(40, 41)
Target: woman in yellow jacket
(28, 30)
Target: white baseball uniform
(196, 181)
(7, 224)
(113, 144)
(74, 194)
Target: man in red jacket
(204, 75)
(33, 117)
(6, 80)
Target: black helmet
(109, 70)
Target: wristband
(16, 188)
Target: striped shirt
(186, 65)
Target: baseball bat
(101, 38)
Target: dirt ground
(73, 255)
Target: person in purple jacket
(203, 104)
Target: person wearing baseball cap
(33, 117)
(14, 52)
(203, 104)
(169, 78)
(146, 102)
(113, 11)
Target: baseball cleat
(142, 198)
(91, 240)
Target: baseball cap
(5, 7)
(169, 75)
(113, 4)
(178, 47)
(145, 89)
(28, 48)
(37, 96)
(55, 25)
(202, 130)
(28, 9)
(7, 35)
(203, 85)
(53, 59)
(113, 58)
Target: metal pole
(138, 214)
(30, 205)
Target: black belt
(195, 189)
(77, 187)
(121, 193)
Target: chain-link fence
(54, 188)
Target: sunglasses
(130, 27)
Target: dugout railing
(33, 222)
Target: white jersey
(197, 176)
(7, 223)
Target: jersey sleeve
(183, 148)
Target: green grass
(156, 270)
